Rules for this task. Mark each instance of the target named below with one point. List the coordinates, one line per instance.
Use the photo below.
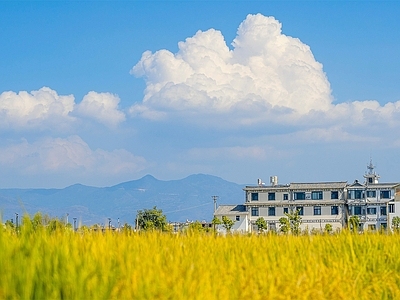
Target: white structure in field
(318, 204)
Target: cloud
(102, 107)
(52, 156)
(43, 107)
(267, 79)
(266, 75)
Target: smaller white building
(237, 213)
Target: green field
(62, 264)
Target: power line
(207, 203)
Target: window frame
(301, 210)
(358, 208)
(317, 210)
(271, 211)
(296, 194)
(254, 196)
(383, 211)
(317, 195)
(385, 194)
(255, 212)
(334, 210)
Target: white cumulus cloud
(44, 108)
(267, 78)
(35, 109)
(102, 107)
(266, 74)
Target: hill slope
(189, 198)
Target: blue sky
(103, 92)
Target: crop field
(63, 264)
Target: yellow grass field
(68, 265)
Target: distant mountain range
(186, 199)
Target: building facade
(318, 204)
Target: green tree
(151, 219)
(291, 222)
(215, 221)
(55, 225)
(284, 225)
(9, 226)
(261, 224)
(328, 228)
(227, 223)
(396, 224)
(195, 226)
(126, 229)
(354, 222)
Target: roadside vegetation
(55, 262)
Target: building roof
(303, 186)
(321, 185)
(380, 185)
(231, 210)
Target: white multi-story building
(318, 204)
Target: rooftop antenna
(370, 176)
(370, 167)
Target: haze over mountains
(185, 199)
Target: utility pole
(74, 224)
(215, 198)
(109, 223)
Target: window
(383, 210)
(391, 208)
(317, 195)
(254, 211)
(370, 180)
(356, 194)
(254, 196)
(357, 210)
(237, 218)
(334, 195)
(371, 194)
(285, 210)
(334, 210)
(271, 211)
(371, 211)
(271, 196)
(285, 196)
(299, 196)
(371, 227)
(300, 209)
(317, 210)
(385, 194)
(383, 226)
